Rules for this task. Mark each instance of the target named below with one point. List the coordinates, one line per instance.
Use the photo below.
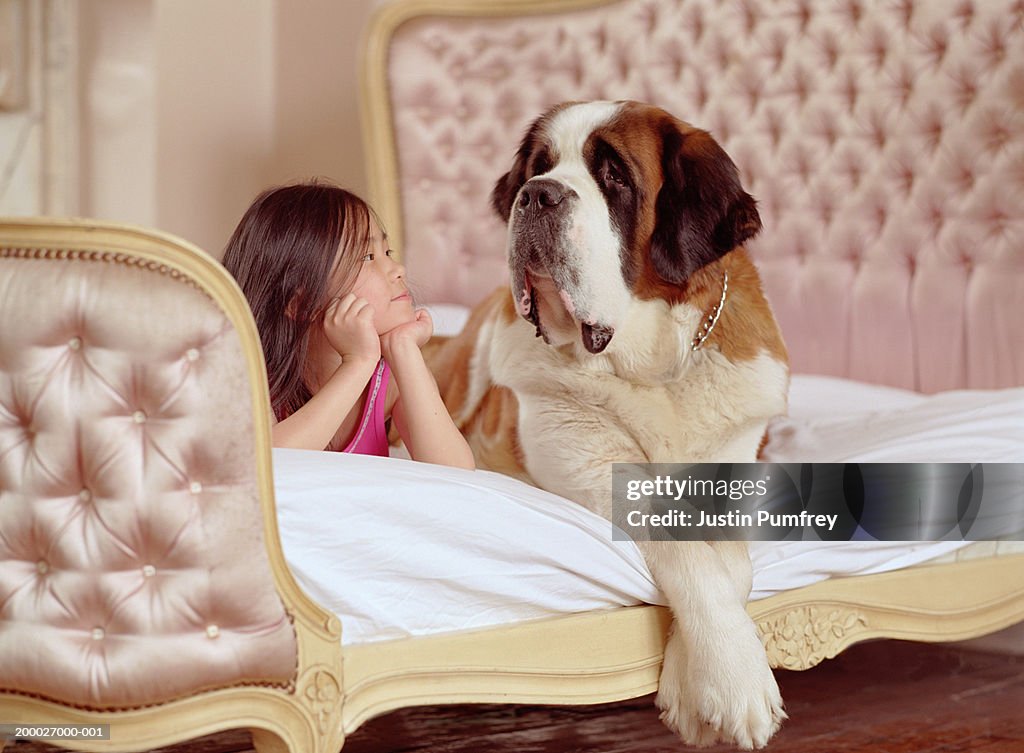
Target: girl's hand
(349, 328)
(417, 332)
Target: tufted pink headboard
(134, 474)
(884, 140)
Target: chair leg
(265, 742)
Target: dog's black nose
(541, 194)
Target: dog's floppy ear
(702, 210)
(508, 185)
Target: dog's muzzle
(539, 222)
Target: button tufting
(881, 215)
(804, 14)
(85, 496)
(148, 571)
(854, 11)
(906, 11)
(43, 567)
(850, 91)
(195, 487)
(966, 178)
(750, 19)
(75, 343)
(212, 631)
(139, 417)
(965, 13)
(938, 44)
(192, 354)
(966, 91)
(697, 24)
(98, 634)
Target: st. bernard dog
(636, 330)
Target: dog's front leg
(716, 683)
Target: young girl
(340, 335)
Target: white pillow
(449, 318)
(813, 396)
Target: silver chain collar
(712, 320)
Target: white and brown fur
(622, 220)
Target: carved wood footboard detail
(934, 603)
(806, 636)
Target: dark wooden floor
(884, 697)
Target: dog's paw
(673, 698)
(727, 692)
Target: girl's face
(381, 282)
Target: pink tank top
(371, 437)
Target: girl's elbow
(461, 458)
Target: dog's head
(610, 202)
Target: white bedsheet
(839, 420)
(397, 548)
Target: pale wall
(188, 108)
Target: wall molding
(13, 53)
(39, 107)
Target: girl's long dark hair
(283, 255)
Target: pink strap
(371, 437)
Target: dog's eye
(611, 176)
(541, 163)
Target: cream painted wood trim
(608, 656)
(577, 659)
(932, 603)
(376, 115)
(307, 716)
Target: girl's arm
(349, 331)
(313, 426)
(419, 413)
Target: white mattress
(397, 548)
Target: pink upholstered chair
(142, 583)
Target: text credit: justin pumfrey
(683, 491)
